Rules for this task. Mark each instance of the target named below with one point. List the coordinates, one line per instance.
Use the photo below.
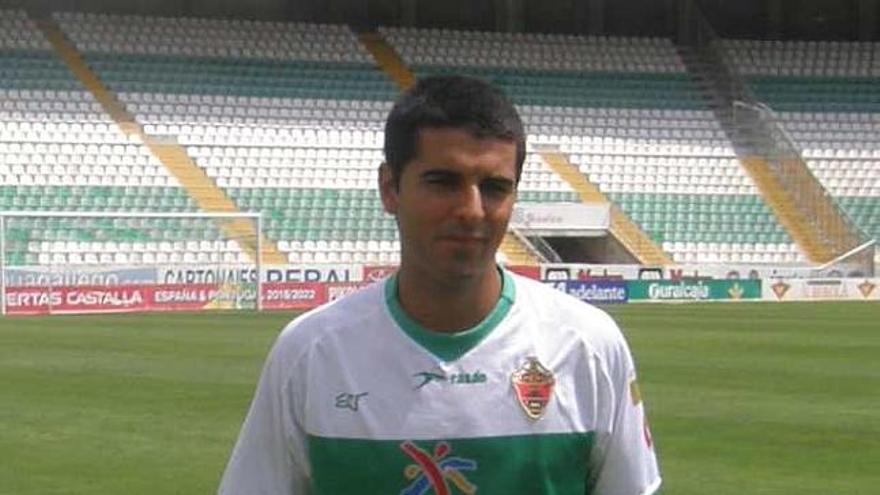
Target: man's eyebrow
(439, 172)
(501, 180)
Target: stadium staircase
(623, 229)
(801, 229)
(202, 189)
(211, 198)
(516, 252)
(801, 204)
(388, 59)
(69, 55)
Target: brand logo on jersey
(349, 401)
(427, 377)
(533, 384)
(432, 473)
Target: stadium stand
(284, 117)
(293, 128)
(827, 97)
(633, 121)
(60, 152)
(287, 119)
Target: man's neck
(448, 307)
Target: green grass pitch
(743, 398)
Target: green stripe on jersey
(549, 464)
(451, 346)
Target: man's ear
(388, 189)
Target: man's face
(453, 202)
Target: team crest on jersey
(431, 474)
(533, 384)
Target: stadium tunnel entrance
(603, 249)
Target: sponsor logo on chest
(423, 378)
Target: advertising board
(824, 289)
(594, 292)
(693, 290)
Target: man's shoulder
(350, 313)
(551, 302)
(562, 313)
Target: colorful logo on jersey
(431, 473)
(533, 384)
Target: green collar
(450, 346)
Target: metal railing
(758, 131)
(547, 252)
(530, 247)
(771, 141)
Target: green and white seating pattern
(255, 118)
(18, 32)
(443, 47)
(275, 133)
(633, 121)
(827, 97)
(804, 58)
(60, 152)
(190, 36)
(203, 112)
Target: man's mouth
(464, 238)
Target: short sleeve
(268, 458)
(623, 460)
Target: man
(452, 376)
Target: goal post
(857, 262)
(68, 262)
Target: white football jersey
(539, 398)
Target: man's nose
(470, 204)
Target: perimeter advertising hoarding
(532, 272)
(339, 290)
(375, 273)
(594, 292)
(38, 276)
(211, 274)
(171, 297)
(826, 289)
(291, 295)
(566, 271)
(693, 290)
(81, 299)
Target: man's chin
(469, 270)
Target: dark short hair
(450, 102)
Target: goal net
(74, 262)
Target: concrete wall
(250, 9)
(796, 19)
